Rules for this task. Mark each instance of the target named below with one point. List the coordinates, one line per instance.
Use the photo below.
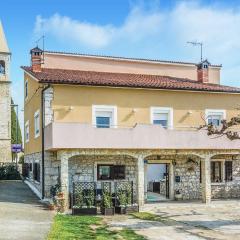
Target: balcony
(77, 135)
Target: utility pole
(198, 44)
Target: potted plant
(84, 203)
(125, 203)
(178, 195)
(107, 205)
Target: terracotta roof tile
(91, 78)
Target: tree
(224, 129)
(15, 126)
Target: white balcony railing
(77, 135)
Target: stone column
(171, 181)
(64, 180)
(206, 179)
(145, 181)
(140, 179)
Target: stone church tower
(5, 99)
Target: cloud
(156, 32)
(99, 36)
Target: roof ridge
(127, 58)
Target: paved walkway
(22, 216)
(186, 221)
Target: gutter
(43, 146)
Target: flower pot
(60, 195)
(84, 211)
(51, 207)
(126, 209)
(178, 197)
(108, 211)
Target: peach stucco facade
(118, 65)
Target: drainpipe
(43, 127)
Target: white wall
(155, 172)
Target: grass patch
(66, 227)
(153, 217)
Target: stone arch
(83, 167)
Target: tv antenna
(42, 38)
(198, 44)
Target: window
(36, 172)
(26, 88)
(215, 117)
(36, 124)
(2, 67)
(216, 171)
(104, 116)
(162, 116)
(27, 131)
(228, 171)
(30, 167)
(110, 172)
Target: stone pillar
(140, 179)
(171, 181)
(206, 179)
(145, 181)
(64, 180)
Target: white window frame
(214, 112)
(25, 131)
(107, 108)
(167, 110)
(37, 134)
(26, 89)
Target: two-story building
(93, 118)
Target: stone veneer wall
(163, 187)
(189, 185)
(83, 168)
(5, 121)
(228, 189)
(48, 96)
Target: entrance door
(157, 179)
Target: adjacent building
(5, 99)
(93, 118)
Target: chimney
(202, 71)
(36, 59)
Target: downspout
(43, 147)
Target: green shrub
(9, 172)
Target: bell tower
(5, 56)
(5, 99)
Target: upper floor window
(215, 117)
(26, 89)
(2, 67)
(27, 131)
(104, 116)
(36, 124)
(162, 116)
